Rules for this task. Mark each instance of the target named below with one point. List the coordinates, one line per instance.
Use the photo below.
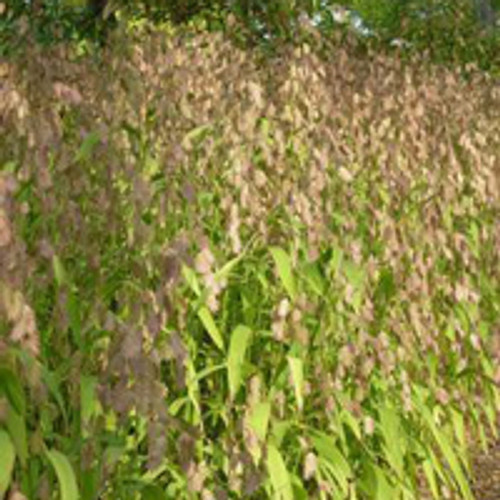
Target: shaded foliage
(450, 31)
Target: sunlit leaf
(259, 419)
(59, 271)
(88, 401)
(347, 418)
(336, 260)
(237, 349)
(460, 433)
(375, 484)
(390, 426)
(210, 326)
(280, 430)
(278, 474)
(328, 450)
(326, 473)
(314, 278)
(284, 267)
(16, 425)
(7, 460)
(191, 279)
(430, 474)
(226, 269)
(299, 491)
(444, 446)
(65, 475)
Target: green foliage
(450, 31)
(65, 475)
(385, 16)
(7, 459)
(284, 267)
(236, 357)
(280, 479)
(227, 277)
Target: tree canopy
(454, 31)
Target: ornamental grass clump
(238, 277)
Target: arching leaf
(7, 460)
(65, 475)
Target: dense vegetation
(228, 272)
(451, 31)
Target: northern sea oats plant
(232, 277)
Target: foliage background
(245, 273)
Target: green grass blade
(328, 450)
(60, 273)
(11, 386)
(392, 433)
(88, 144)
(210, 326)
(430, 475)
(278, 474)
(326, 473)
(237, 349)
(88, 401)
(375, 483)
(7, 460)
(191, 279)
(65, 475)
(283, 264)
(259, 419)
(445, 447)
(16, 425)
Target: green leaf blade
(65, 475)
(237, 350)
(7, 460)
(278, 474)
(211, 327)
(283, 264)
